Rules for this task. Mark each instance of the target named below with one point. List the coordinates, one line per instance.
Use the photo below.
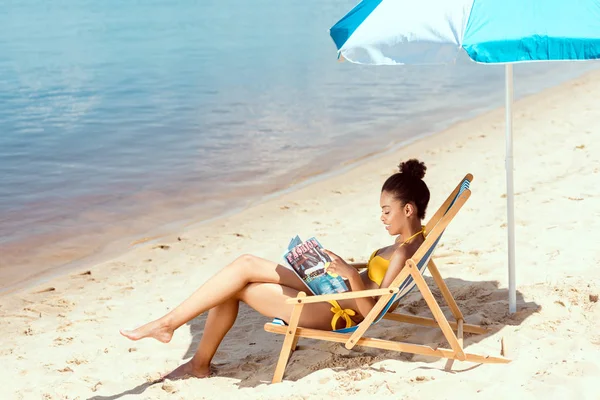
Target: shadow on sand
(481, 302)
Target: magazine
(309, 262)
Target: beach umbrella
(398, 32)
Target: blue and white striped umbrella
(489, 31)
(396, 32)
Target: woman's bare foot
(158, 330)
(188, 370)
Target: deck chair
(409, 277)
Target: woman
(265, 285)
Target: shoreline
(116, 248)
(171, 230)
(160, 233)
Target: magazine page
(309, 262)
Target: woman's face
(394, 214)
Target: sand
(64, 343)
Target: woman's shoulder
(402, 251)
(409, 250)
(384, 252)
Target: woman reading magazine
(265, 285)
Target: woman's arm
(358, 265)
(349, 272)
(346, 271)
(364, 304)
(397, 262)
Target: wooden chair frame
(435, 227)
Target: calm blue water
(120, 117)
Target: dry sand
(64, 343)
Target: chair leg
(436, 311)
(439, 281)
(289, 342)
(295, 342)
(449, 364)
(459, 335)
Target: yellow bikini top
(377, 266)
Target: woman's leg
(219, 322)
(266, 298)
(223, 286)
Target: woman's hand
(340, 267)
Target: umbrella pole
(510, 191)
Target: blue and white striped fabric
(489, 31)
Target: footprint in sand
(168, 387)
(250, 367)
(62, 303)
(422, 378)
(32, 310)
(64, 327)
(347, 379)
(77, 361)
(96, 386)
(6, 352)
(61, 341)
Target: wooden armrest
(341, 296)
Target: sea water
(122, 119)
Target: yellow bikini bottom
(339, 312)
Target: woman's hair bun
(413, 168)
